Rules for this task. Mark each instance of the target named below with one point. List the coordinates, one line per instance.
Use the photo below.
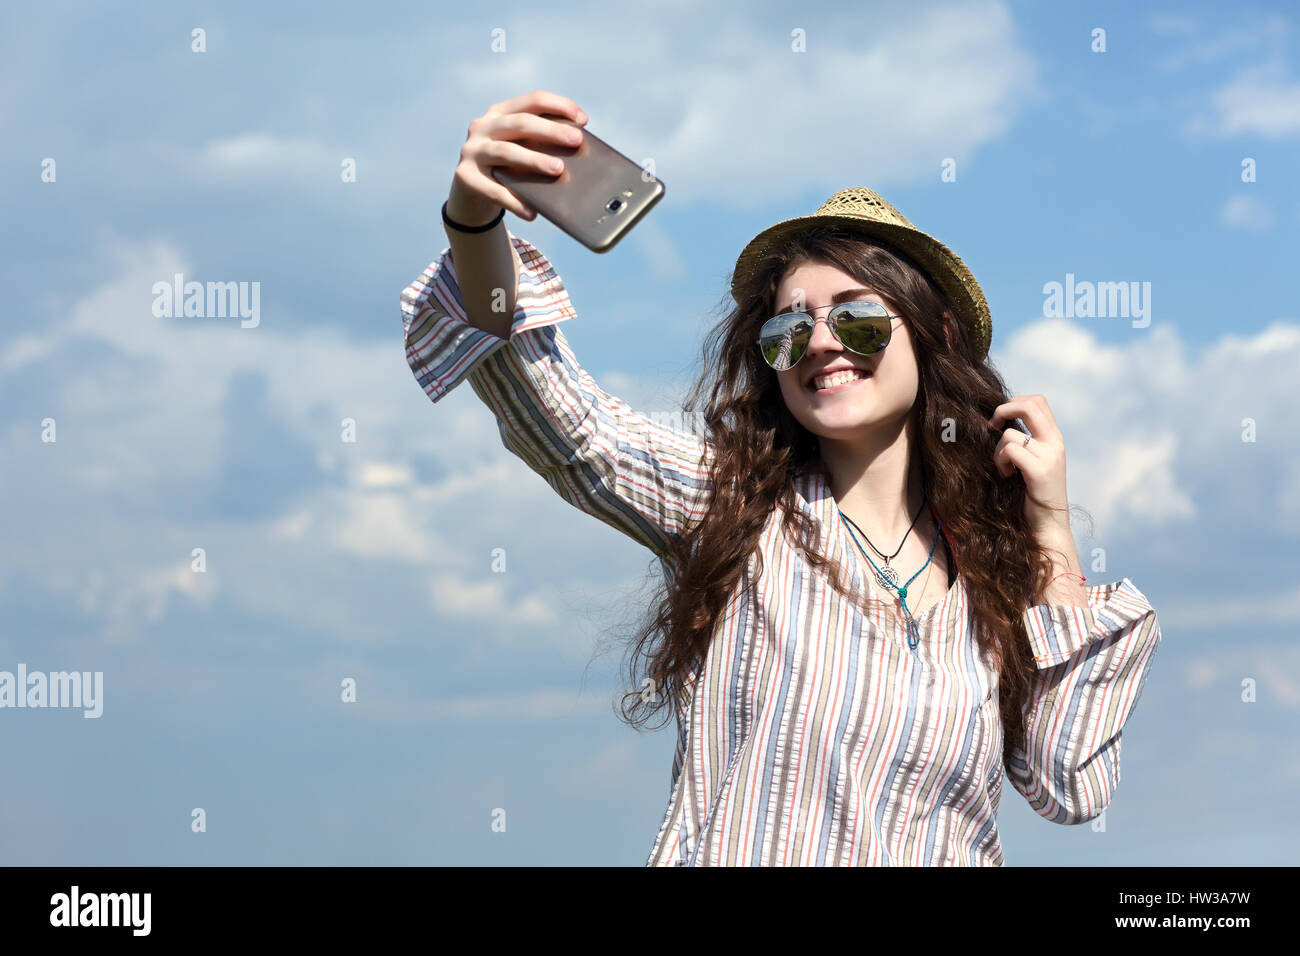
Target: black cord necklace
(887, 572)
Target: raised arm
(640, 476)
(643, 477)
(1092, 665)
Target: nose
(822, 339)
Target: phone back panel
(600, 195)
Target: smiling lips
(835, 379)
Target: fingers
(516, 126)
(1034, 411)
(1014, 436)
(479, 158)
(540, 101)
(490, 142)
(1037, 459)
(1012, 453)
(497, 152)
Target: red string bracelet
(1063, 573)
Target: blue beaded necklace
(913, 629)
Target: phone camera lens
(614, 205)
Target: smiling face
(850, 411)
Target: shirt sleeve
(641, 476)
(1092, 663)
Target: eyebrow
(844, 295)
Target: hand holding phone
(493, 140)
(596, 194)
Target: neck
(876, 481)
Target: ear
(948, 330)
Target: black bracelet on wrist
(458, 227)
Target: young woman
(873, 606)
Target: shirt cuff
(443, 346)
(1059, 631)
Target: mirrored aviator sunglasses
(861, 327)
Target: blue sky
(372, 559)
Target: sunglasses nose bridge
(822, 337)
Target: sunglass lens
(862, 328)
(784, 339)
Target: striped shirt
(811, 734)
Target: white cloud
(1066, 346)
(291, 527)
(1120, 465)
(262, 154)
(1146, 439)
(1149, 446)
(1135, 477)
(24, 349)
(1279, 339)
(382, 526)
(484, 599)
(735, 117)
(124, 599)
(1283, 688)
(381, 474)
(1259, 101)
(729, 112)
(1218, 42)
(1246, 212)
(167, 392)
(661, 253)
(471, 478)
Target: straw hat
(863, 210)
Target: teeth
(837, 378)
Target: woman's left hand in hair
(1041, 462)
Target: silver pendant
(887, 577)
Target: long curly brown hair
(759, 447)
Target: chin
(849, 422)
(840, 426)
